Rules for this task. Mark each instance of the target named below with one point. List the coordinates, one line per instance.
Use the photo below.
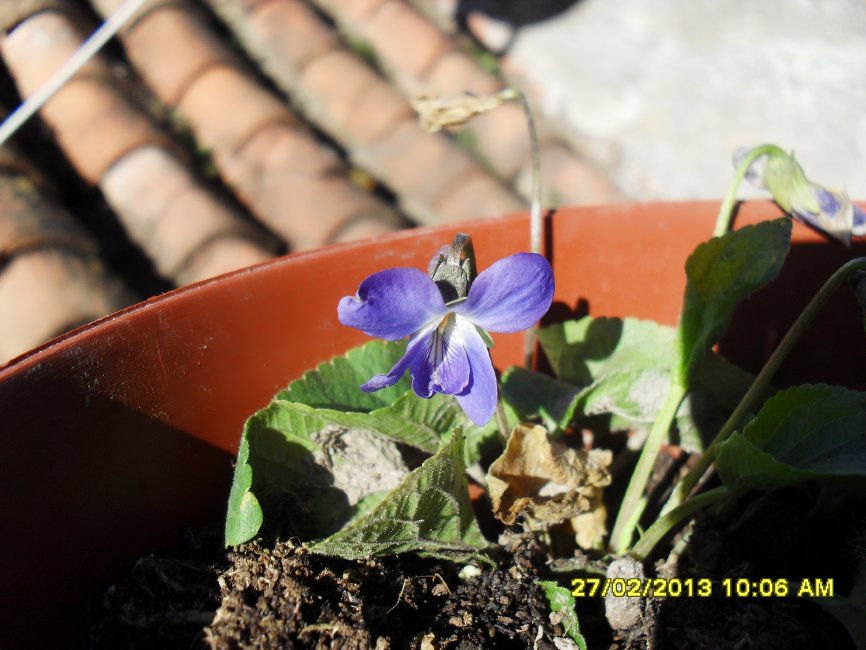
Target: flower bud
(453, 269)
(828, 210)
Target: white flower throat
(439, 342)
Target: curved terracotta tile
(363, 227)
(263, 26)
(334, 83)
(321, 204)
(473, 190)
(173, 222)
(51, 278)
(182, 51)
(434, 160)
(441, 13)
(421, 59)
(338, 91)
(112, 143)
(291, 182)
(457, 72)
(217, 255)
(379, 110)
(94, 124)
(403, 40)
(28, 221)
(359, 9)
(224, 108)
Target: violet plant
(305, 461)
(446, 316)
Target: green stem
(634, 501)
(723, 221)
(502, 422)
(690, 480)
(664, 524)
(535, 224)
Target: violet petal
(413, 349)
(442, 367)
(511, 295)
(828, 202)
(859, 227)
(478, 400)
(392, 304)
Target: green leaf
(333, 389)
(720, 273)
(277, 476)
(538, 394)
(244, 516)
(367, 504)
(279, 444)
(295, 473)
(579, 350)
(409, 419)
(802, 433)
(429, 513)
(562, 604)
(335, 384)
(623, 368)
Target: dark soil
(281, 596)
(164, 602)
(791, 534)
(286, 597)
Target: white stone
(661, 93)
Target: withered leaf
(547, 480)
(435, 113)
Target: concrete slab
(661, 93)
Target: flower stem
(634, 501)
(502, 421)
(723, 221)
(690, 480)
(535, 224)
(664, 524)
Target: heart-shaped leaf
(283, 444)
(334, 384)
(429, 513)
(623, 368)
(720, 273)
(802, 433)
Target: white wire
(81, 56)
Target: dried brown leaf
(549, 481)
(435, 113)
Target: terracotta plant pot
(121, 434)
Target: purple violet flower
(827, 210)
(447, 352)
